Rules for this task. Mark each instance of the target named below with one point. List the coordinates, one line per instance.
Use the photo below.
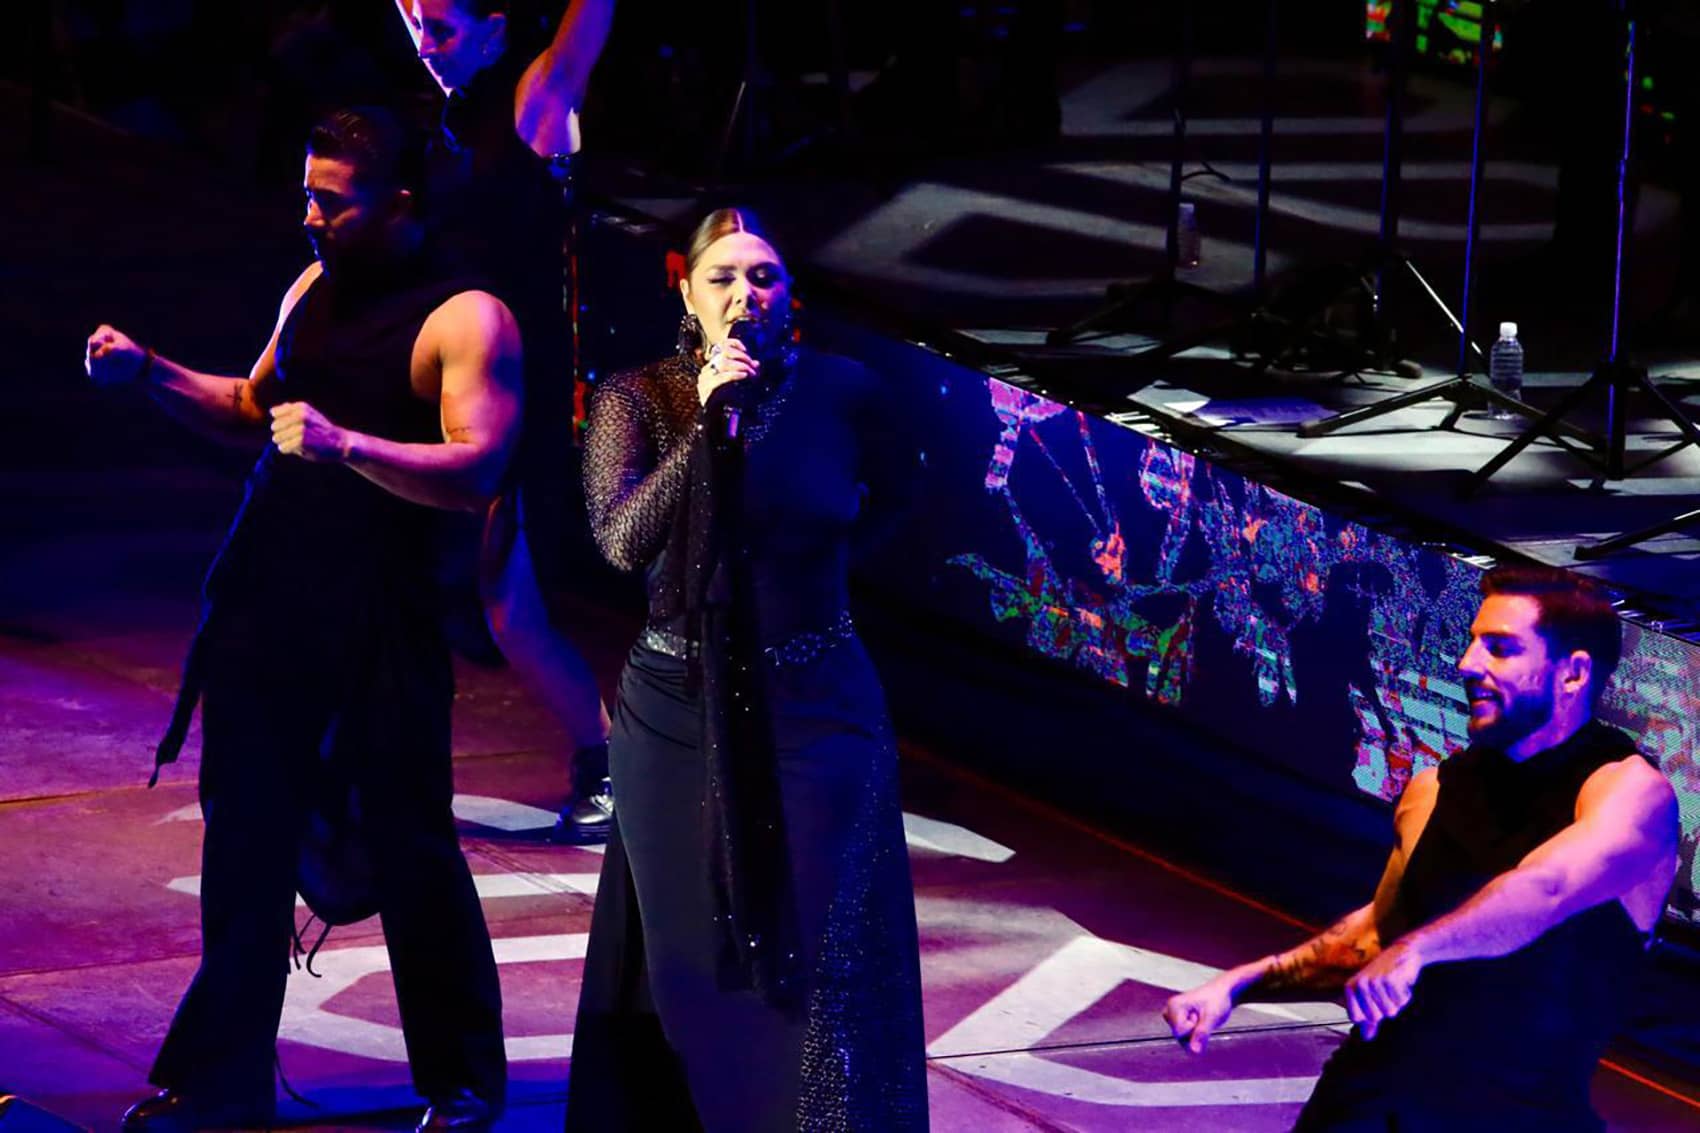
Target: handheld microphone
(746, 330)
(733, 397)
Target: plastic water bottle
(1188, 244)
(1505, 367)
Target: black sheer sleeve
(643, 425)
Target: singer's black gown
(661, 1042)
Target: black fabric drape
(755, 913)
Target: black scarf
(743, 818)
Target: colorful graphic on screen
(1134, 552)
(1447, 30)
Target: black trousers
(268, 723)
(721, 1058)
(1362, 1092)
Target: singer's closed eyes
(757, 877)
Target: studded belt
(672, 644)
(796, 650)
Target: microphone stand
(1615, 376)
(751, 111)
(1255, 307)
(1462, 389)
(1166, 287)
(743, 111)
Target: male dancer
(1500, 951)
(499, 171)
(390, 390)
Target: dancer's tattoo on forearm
(1324, 963)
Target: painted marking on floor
(949, 838)
(481, 810)
(307, 1020)
(1068, 983)
(490, 885)
(994, 1042)
(502, 814)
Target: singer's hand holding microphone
(729, 360)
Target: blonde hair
(721, 222)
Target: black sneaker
(172, 1112)
(586, 819)
(460, 1112)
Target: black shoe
(171, 1112)
(462, 1111)
(586, 819)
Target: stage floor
(1047, 950)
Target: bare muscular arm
(1622, 846)
(228, 409)
(550, 93)
(1321, 965)
(474, 342)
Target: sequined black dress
(667, 1036)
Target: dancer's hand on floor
(1193, 1016)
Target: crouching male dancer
(389, 390)
(1501, 949)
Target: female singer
(753, 962)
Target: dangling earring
(689, 343)
(789, 335)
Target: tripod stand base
(1590, 551)
(1462, 392)
(1252, 320)
(1615, 379)
(1451, 389)
(1124, 298)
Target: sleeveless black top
(321, 567)
(1510, 1042)
(319, 536)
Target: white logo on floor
(307, 1020)
(994, 1042)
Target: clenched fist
(1193, 1016)
(112, 358)
(1384, 987)
(300, 430)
